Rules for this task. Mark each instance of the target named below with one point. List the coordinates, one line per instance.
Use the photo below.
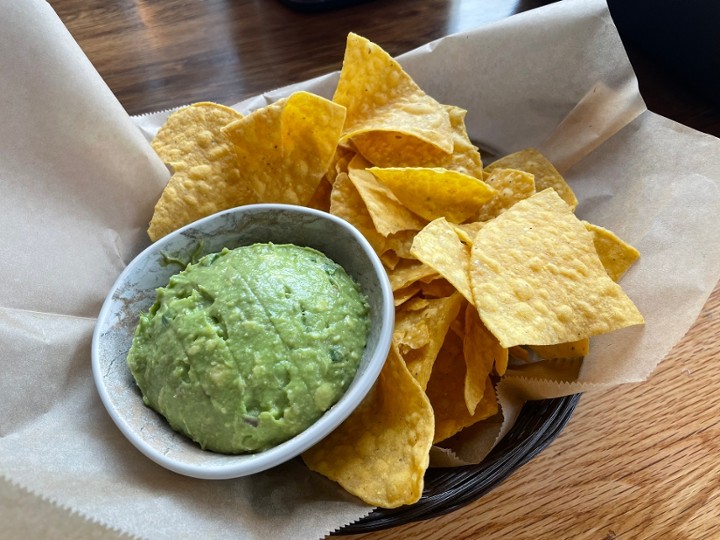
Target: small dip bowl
(134, 292)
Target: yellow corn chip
(404, 294)
(438, 316)
(616, 255)
(573, 349)
(380, 453)
(387, 213)
(393, 149)
(411, 329)
(511, 186)
(537, 279)
(346, 203)
(409, 271)
(285, 148)
(445, 391)
(467, 231)
(339, 163)
(400, 243)
(380, 96)
(205, 176)
(321, 198)
(439, 247)
(483, 352)
(435, 193)
(546, 175)
(437, 288)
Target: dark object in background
(319, 5)
(681, 35)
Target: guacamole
(248, 347)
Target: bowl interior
(134, 292)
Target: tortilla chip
(346, 203)
(339, 163)
(407, 272)
(537, 279)
(321, 198)
(381, 97)
(391, 149)
(511, 186)
(445, 391)
(437, 288)
(387, 213)
(435, 193)
(205, 177)
(437, 316)
(616, 255)
(380, 453)
(467, 231)
(439, 247)
(284, 149)
(546, 175)
(483, 353)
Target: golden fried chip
(409, 271)
(435, 193)
(546, 175)
(381, 97)
(616, 255)
(405, 293)
(437, 288)
(467, 231)
(393, 149)
(380, 453)
(439, 247)
(537, 279)
(573, 349)
(437, 316)
(339, 163)
(387, 213)
(511, 186)
(205, 176)
(400, 243)
(483, 352)
(321, 198)
(346, 203)
(445, 390)
(284, 149)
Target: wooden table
(639, 461)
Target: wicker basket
(447, 490)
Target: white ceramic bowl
(134, 292)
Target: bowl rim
(234, 466)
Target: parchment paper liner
(79, 182)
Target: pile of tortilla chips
(486, 263)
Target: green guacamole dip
(248, 347)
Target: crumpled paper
(79, 180)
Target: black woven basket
(447, 490)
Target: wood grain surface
(639, 461)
